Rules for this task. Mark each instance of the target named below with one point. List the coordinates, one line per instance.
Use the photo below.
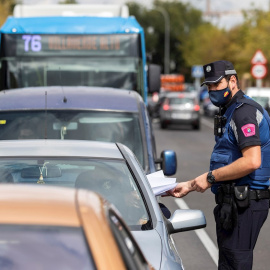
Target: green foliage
(68, 2)
(6, 8)
(194, 41)
(183, 19)
(247, 38)
(205, 44)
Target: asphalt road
(198, 249)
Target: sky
(231, 9)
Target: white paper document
(160, 184)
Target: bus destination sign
(45, 45)
(71, 42)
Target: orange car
(45, 227)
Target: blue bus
(75, 51)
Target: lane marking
(155, 120)
(202, 235)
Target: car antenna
(64, 99)
(45, 131)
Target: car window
(177, 101)
(189, 88)
(43, 247)
(110, 178)
(74, 125)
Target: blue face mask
(220, 97)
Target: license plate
(181, 115)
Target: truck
(75, 45)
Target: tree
(194, 41)
(183, 19)
(247, 38)
(68, 2)
(238, 45)
(6, 7)
(205, 44)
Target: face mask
(220, 97)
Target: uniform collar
(238, 95)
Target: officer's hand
(200, 183)
(182, 189)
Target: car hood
(151, 246)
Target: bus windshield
(73, 71)
(71, 60)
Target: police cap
(215, 71)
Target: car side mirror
(168, 162)
(186, 220)
(154, 72)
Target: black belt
(258, 194)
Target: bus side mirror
(154, 72)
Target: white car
(260, 95)
(111, 170)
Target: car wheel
(163, 125)
(197, 126)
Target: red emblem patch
(248, 130)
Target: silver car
(113, 171)
(180, 108)
(81, 113)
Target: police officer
(239, 167)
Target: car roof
(59, 148)
(180, 95)
(33, 204)
(258, 91)
(70, 97)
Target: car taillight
(166, 107)
(196, 108)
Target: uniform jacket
(227, 151)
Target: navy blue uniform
(247, 125)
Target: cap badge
(208, 68)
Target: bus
(38, 49)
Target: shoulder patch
(248, 130)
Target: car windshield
(110, 178)
(43, 247)
(74, 125)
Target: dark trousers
(236, 245)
